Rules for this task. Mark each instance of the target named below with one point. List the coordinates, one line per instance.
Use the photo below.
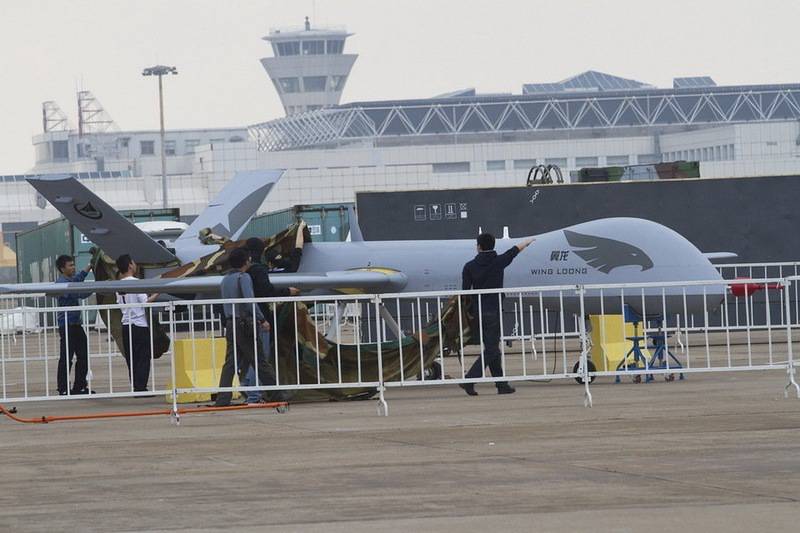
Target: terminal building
(461, 139)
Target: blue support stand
(635, 353)
(662, 355)
(635, 359)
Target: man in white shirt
(135, 329)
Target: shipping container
(38, 248)
(326, 222)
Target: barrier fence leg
(587, 394)
(383, 407)
(790, 368)
(176, 417)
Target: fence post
(383, 407)
(790, 369)
(584, 370)
(176, 417)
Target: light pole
(160, 71)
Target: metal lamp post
(160, 71)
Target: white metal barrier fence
(355, 346)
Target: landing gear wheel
(590, 367)
(434, 371)
(669, 377)
(637, 378)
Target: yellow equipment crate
(609, 342)
(198, 363)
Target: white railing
(348, 346)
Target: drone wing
(346, 281)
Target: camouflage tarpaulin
(319, 359)
(313, 349)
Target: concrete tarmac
(715, 452)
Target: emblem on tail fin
(88, 210)
(606, 254)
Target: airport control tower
(309, 67)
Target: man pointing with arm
(486, 272)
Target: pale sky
(407, 49)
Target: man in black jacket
(486, 272)
(263, 288)
(280, 264)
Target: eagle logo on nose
(606, 254)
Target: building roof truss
(396, 112)
(783, 97)
(705, 107)
(707, 102)
(296, 131)
(515, 109)
(435, 111)
(327, 128)
(341, 123)
(551, 107)
(742, 101)
(300, 128)
(591, 105)
(359, 125)
(474, 110)
(632, 104)
(665, 104)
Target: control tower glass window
(288, 49)
(313, 48)
(314, 84)
(337, 83)
(335, 47)
(289, 85)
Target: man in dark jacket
(486, 272)
(279, 264)
(263, 288)
(242, 346)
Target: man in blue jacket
(242, 345)
(73, 338)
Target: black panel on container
(753, 217)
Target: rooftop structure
(694, 81)
(309, 68)
(591, 80)
(597, 109)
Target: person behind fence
(486, 272)
(135, 328)
(283, 265)
(70, 329)
(240, 321)
(263, 288)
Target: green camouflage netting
(313, 349)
